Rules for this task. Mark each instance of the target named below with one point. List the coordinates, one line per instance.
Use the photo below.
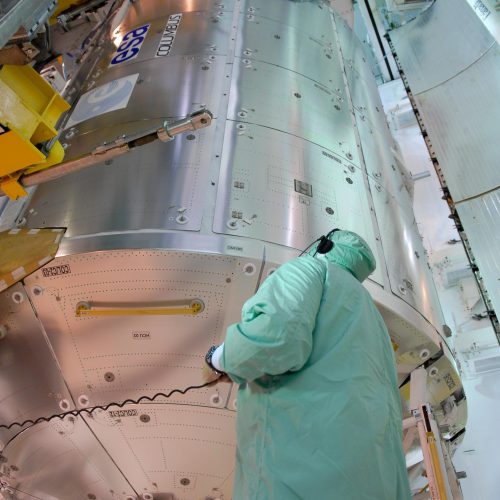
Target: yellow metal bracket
(29, 111)
(11, 187)
(176, 308)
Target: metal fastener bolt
(64, 404)
(17, 297)
(215, 399)
(232, 224)
(424, 353)
(21, 222)
(109, 377)
(145, 418)
(83, 400)
(249, 269)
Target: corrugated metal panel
(444, 40)
(481, 219)
(462, 117)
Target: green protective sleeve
(275, 334)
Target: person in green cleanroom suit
(319, 414)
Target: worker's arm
(275, 334)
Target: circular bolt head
(145, 418)
(17, 297)
(83, 401)
(249, 269)
(424, 353)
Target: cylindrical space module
(298, 145)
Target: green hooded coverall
(319, 414)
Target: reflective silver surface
(62, 460)
(485, 237)
(271, 41)
(456, 84)
(145, 354)
(310, 16)
(143, 190)
(279, 188)
(271, 96)
(440, 43)
(409, 272)
(208, 216)
(184, 450)
(463, 131)
(156, 97)
(31, 383)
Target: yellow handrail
(85, 309)
(436, 465)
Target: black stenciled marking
(168, 36)
(328, 155)
(56, 270)
(122, 413)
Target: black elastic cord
(76, 413)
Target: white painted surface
(479, 454)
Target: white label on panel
(108, 97)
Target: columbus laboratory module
(165, 242)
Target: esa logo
(131, 45)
